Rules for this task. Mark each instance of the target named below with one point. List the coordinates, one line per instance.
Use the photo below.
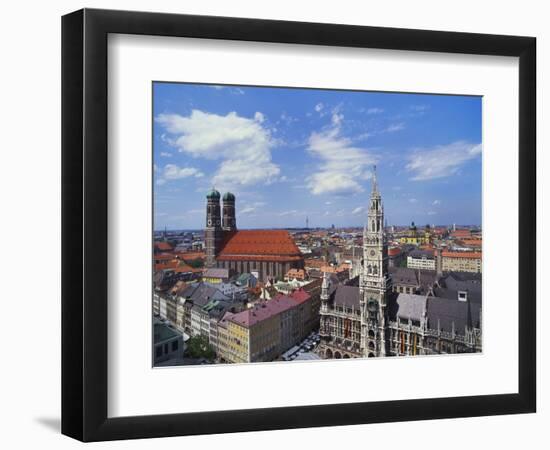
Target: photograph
(300, 224)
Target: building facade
(421, 259)
(461, 261)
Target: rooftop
(260, 244)
(262, 311)
(473, 255)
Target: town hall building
(373, 320)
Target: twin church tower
(217, 224)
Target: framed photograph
(273, 225)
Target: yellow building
(461, 261)
(237, 344)
(262, 332)
(415, 237)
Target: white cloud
(337, 119)
(232, 90)
(441, 161)
(247, 210)
(363, 136)
(432, 213)
(259, 117)
(292, 212)
(420, 108)
(436, 202)
(375, 111)
(319, 107)
(242, 145)
(166, 154)
(359, 210)
(174, 172)
(287, 118)
(395, 127)
(413, 200)
(342, 165)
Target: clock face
(209, 222)
(372, 253)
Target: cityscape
(345, 270)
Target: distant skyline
(291, 153)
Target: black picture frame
(84, 224)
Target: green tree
(196, 263)
(198, 347)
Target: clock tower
(374, 281)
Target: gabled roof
(411, 306)
(260, 244)
(216, 273)
(346, 296)
(449, 311)
(262, 311)
(201, 293)
(403, 275)
(163, 246)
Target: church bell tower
(374, 281)
(213, 233)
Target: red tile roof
(461, 233)
(300, 296)
(394, 251)
(474, 242)
(163, 246)
(163, 257)
(184, 268)
(166, 265)
(262, 311)
(190, 256)
(272, 245)
(476, 255)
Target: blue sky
(291, 153)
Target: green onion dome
(213, 194)
(228, 197)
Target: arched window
(369, 269)
(375, 270)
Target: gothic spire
(325, 284)
(374, 181)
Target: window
(158, 351)
(175, 345)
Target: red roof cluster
(163, 246)
(394, 251)
(268, 245)
(461, 233)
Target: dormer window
(462, 296)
